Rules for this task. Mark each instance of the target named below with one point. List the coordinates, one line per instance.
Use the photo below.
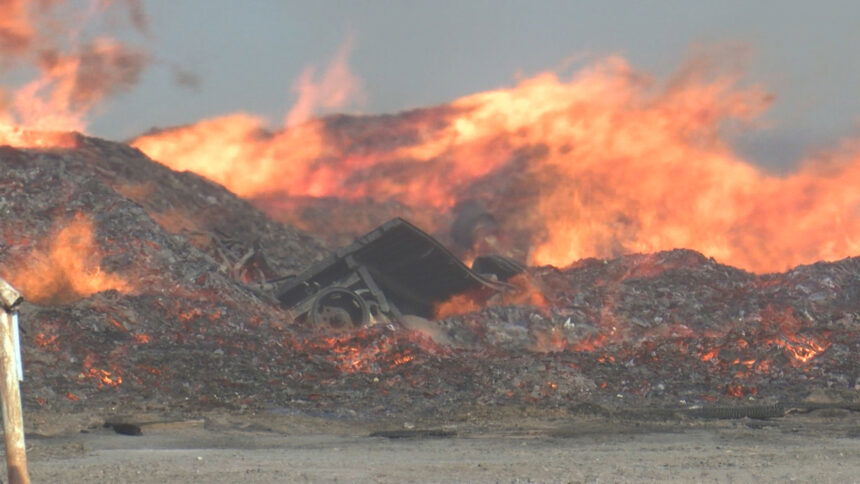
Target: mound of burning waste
(139, 279)
(150, 287)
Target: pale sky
(247, 54)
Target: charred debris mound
(191, 324)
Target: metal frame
(396, 268)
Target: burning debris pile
(125, 262)
(148, 287)
(152, 287)
(676, 323)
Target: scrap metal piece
(498, 266)
(393, 270)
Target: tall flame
(609, 161)
(337, 87)
(67, 269)
(237, 151)
(70, 81)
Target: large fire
(607, 161)
(602, 162)
(66, 268)
(598, 163)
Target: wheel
(339, 308)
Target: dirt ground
(822, 447)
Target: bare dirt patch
(820, 446)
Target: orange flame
(67, 270)
(70, 84)
(458, 304)
(798, 347)
(236, 151)
(337, 87)
(524, 291)
(624, 164)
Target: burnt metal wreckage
(394, 270)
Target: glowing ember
(402, 359)
(801, 349)
(367, 351)
(67, 269)
(142, 338)
(103, 378)
(45, 341)
(710, 355)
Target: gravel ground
(804, 448)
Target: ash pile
(149, 288)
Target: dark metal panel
(410, 266)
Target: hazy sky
(247, 54)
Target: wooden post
(10, 391)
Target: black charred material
(125, 428)
(393, 270)
(414, 434)
(471, 220)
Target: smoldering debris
(165, 301)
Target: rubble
(184, 318)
